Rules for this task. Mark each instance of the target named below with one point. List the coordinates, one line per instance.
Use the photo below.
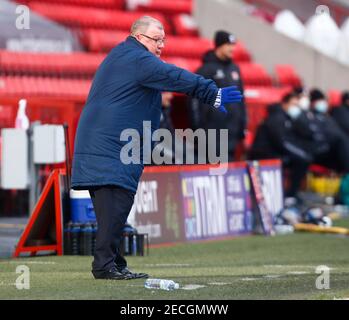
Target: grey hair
(142, 24)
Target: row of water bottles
(80, 238)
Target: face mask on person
(304, 103)
(321, 106)
(294, 111)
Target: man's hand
(227, 95)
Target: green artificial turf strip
(255, 267)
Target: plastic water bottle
(75, 238)
(22, 121)
(94, 233)
(134, 245)
(67, 248)
(283, 229)
(86, 240)
(162, 284)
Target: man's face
(227, 50)
(292, 102)
(153, 39)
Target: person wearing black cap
(219, 66)
(341, 114)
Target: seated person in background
(324, 138)
(304, 101)
(341, 114)
(276, 138)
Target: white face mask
(304, 103)
(321, 106)
(294, 111)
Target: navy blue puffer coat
(126, 91)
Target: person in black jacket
(326, 140)
(341, 114)
(276, 138)
(219, 66)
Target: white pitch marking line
(169, 265)
(218, 283)
(32, 262)
(192, 287)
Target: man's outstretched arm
(156, 74)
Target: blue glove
(227, 95)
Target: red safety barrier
(47, 110)
(44, 231)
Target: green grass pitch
(254, 267)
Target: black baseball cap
(222, 37)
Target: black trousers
(112, 205)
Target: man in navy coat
(126, 91)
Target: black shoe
(132, 275)
(112, 274)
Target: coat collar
(133, 41)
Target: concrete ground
(10, 232)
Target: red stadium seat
(254, 74)
(7, 114)
(166, 7)
(112, 4)
(75, 90)
(86, 17)
(186, 47)
(241, 54)
(318, 169)
(334, 98)
(184, 25)
(102, 40)
(287, 76)
(188, 64)
(257, 101)
(50, 64)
